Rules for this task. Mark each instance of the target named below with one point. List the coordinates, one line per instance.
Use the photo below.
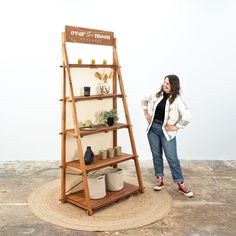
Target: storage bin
(97, 187)
(114, 179)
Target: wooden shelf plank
(98, 129)
(99, 163)
(93, 97)
(78, 198)
(91, 66)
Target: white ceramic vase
(104, 88)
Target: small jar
(118, 150)
(111, 152)
(103, 154)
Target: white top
(176, 113)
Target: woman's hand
(171, 128)
(148, 117)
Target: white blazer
(176, 113)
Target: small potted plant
(109, 117)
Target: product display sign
(90, 36)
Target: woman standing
(166, 112)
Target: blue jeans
(158, 143)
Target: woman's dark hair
(174, 85)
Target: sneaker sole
(186, 194)
(158, 188)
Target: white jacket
(176, 113)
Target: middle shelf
(99, 163)
(97, 129)
(93, 97)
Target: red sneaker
(160, 184)
(184, 190)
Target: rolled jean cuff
(159, 175)
(178, 180)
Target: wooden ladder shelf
(82, 198)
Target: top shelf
(91, 66)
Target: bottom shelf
(78, 198)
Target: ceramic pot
(104, 88)
(88, 156)
(110, 121)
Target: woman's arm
(185, 115)
(147, 116)
(145, 105)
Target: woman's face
(166, 85)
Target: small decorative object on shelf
(88, 156)
(111, 152)
(104, 86)
(103, 154)
(104, 62)
(88, 126)
(118, 150)
(109, 117)
(88, 123)
(86, 91)
(93, 61)
(79, 61)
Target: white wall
(193, 39)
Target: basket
(97, 187)
(114, 179)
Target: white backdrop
(190, 38)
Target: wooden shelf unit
(82, 198)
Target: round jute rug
(138, 210)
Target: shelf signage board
(88, 36)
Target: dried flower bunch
(104, 76)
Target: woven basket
(114, 179)
(97, 188)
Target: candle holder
(93, 61)
(86, 91)
(103, 154)
(118, 150)
(79, 61)
(111, 152)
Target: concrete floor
(212, 211)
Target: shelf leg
(125, 105)
(136, 162)
(90, 212)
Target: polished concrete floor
(212, 211)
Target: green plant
(106, 115)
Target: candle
(79, 61)
(93, 61)
(104, 62)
